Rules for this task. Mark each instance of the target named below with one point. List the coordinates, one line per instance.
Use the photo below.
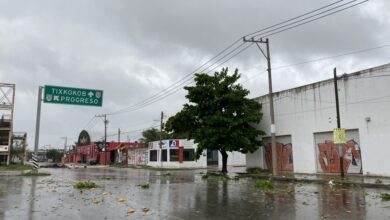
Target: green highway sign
(72, 96)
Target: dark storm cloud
(133, 49)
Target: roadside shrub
(145, 186)
(85, 185)
(264, 184)
(385, 196)
(255, 170)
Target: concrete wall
(304, 111)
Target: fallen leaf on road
(121, 199)
(130, 210)
(105, 193)
(145, 210)
(95, 201)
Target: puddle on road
(179, 195)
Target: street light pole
(267, 55)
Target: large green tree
(219, 116)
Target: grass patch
(31, 173)
(144, 186)
(385, 196)
(264, 184)
(256, 170)
(15, 167)
(378, 181)
(85, 185)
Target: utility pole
(119, 151)
(267, 55)
(338, 121)
(119, 135)
(160, 143)
(104, 116)
(66, 142)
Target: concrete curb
(319, 181)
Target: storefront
(180, 153)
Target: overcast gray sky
(134, 49)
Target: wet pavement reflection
(179, 195)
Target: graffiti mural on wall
(329, 160)
(284, 156)
(137, 156)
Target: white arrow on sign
(90, 94)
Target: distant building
(87, 151)
(179, 153)
(7, 98)
(306, 116)
(19, 140)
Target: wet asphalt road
(179, 195)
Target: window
(164, 155)
(174, 154)
(153, 155)
(188, 155)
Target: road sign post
(64, 95)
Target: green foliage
(264, 184)
(16, 167)
(152, 134)
(216, 176)
(219, 116)
(85, 185)
(385, 196)
(145, 186)
(256, 170)
(54, 154)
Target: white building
(306, 116)
(181, 155)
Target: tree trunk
(224, 161)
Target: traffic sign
(72, 96)
(339, 136)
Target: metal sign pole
(37, 124)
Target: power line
(315, 18)
(292, 19)
(179, 84)
(322, 59)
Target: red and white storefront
(115, 153)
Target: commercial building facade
(179, 153)
(306, 116)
